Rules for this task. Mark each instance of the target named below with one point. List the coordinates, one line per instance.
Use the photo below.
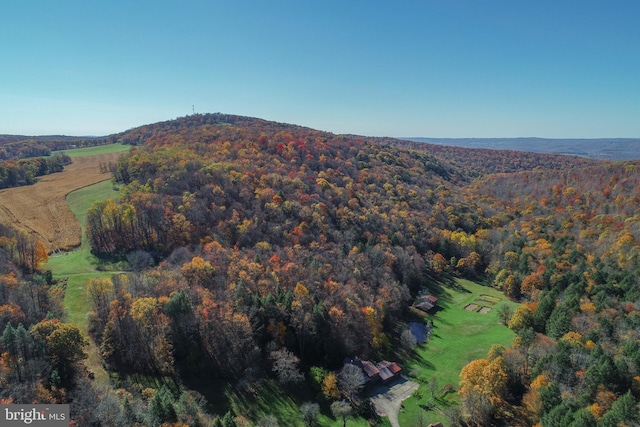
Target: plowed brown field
(41, 208)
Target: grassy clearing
(93, 151)
(81, 200)
(459, 336)
(79, 267)
(81, 261)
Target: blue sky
(416, 68)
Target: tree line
(26, 171)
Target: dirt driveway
(388, 398)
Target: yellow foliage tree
(330, 386)
(540, 381)
(439, 263)
(471, 374)
(482, 383)
(494, 378)
(301, 314)
(573, 338)
(197, 271)
(100, 291)
(144, 310)
(522, 318)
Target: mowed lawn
(458, 337)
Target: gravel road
(388, 398)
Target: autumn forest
(251, 252)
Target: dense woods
(282, 237)
(262, 250)
(38, 353)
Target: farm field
(42, 209)
(459, 336)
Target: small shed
(426, 303)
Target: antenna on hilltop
(193, 109)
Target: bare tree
(341, 409)
(477, 408)
(285, 365)
(433, 387)
(455, 416)
(408, 340)
(420, 421)
(350, 380)
(309, 412)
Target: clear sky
(447, 68)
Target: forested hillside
(617, 149)
(291, 238)
(262, 250)
(567, 245)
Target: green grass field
(459, 336)
(94, 151)
(79, 266)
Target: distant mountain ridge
(600, 148)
